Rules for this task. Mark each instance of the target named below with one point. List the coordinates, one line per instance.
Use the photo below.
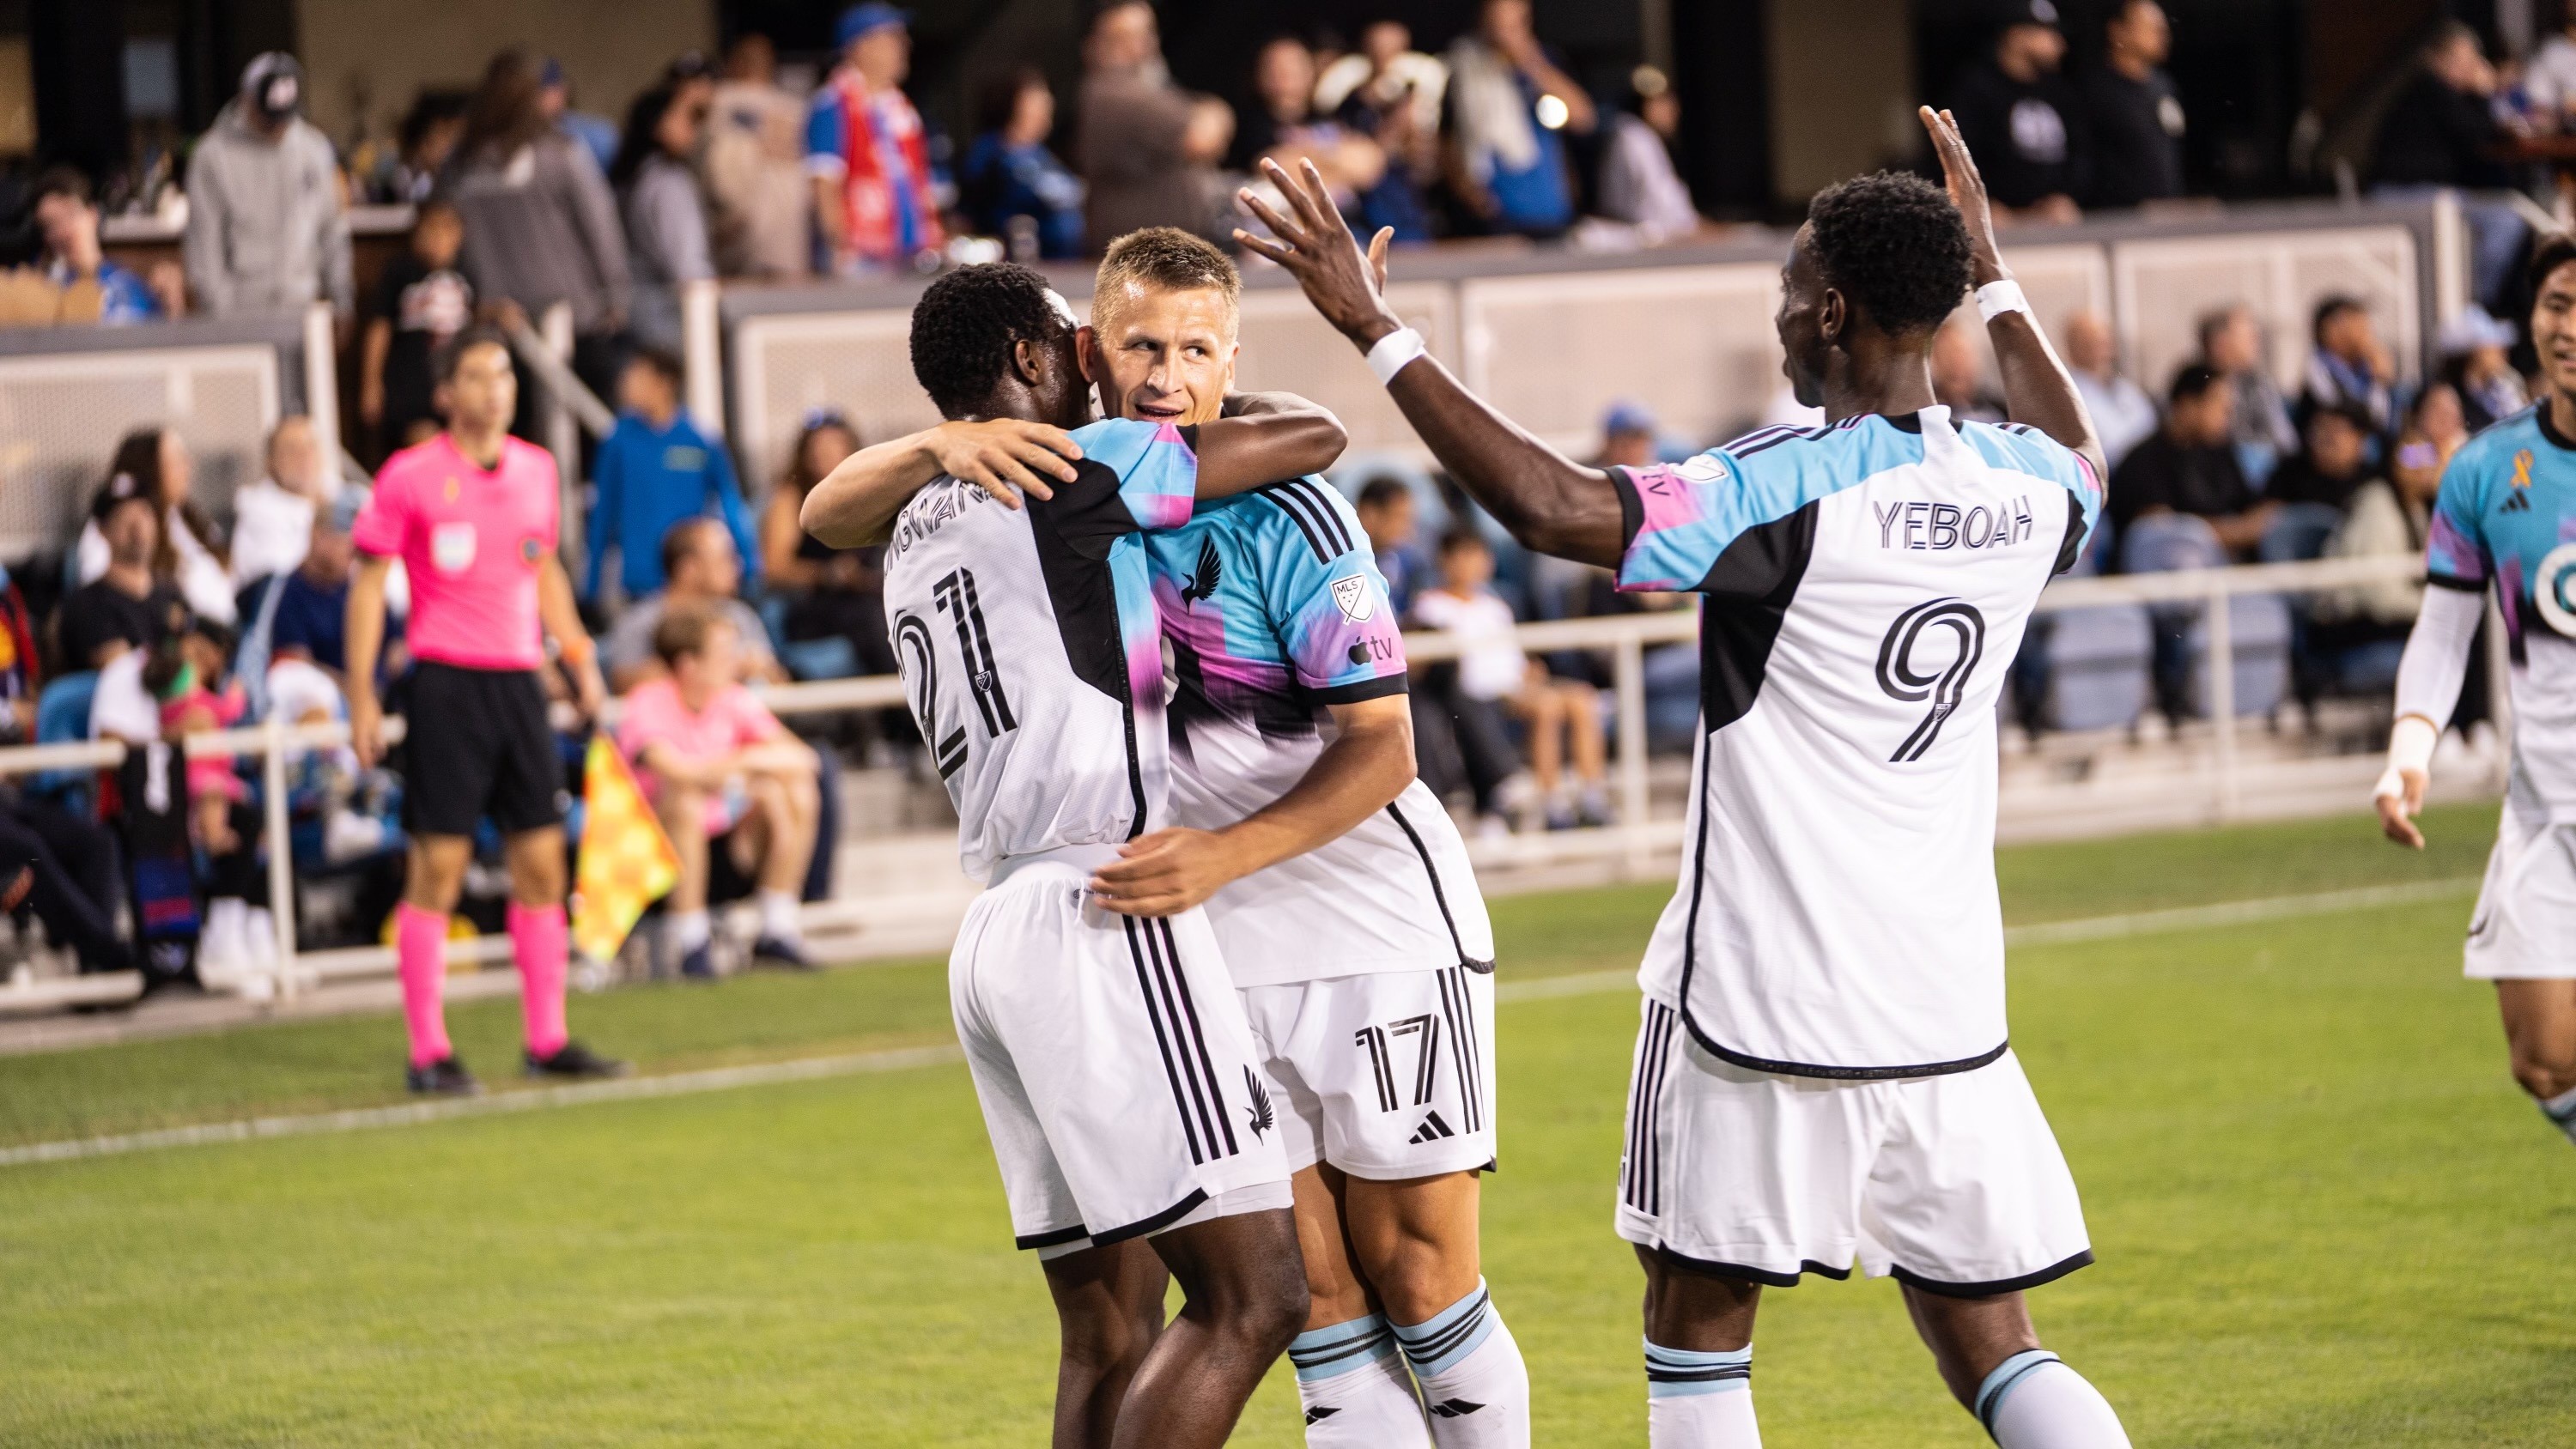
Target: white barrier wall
(61, 416)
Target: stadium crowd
(157, 621)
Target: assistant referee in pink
(474, 515)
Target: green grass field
(2324, 1214)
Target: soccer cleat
(572, 1059)
(780, 952)
(445, 1077)
(698, 963)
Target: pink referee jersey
(473, 540)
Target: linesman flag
(626, 861)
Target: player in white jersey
(2506, 521)
(1118, 1081)
(1822, 1072)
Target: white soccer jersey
(1274, 611)
(1027, 644)
(1867, 586)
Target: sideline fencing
(1634, 845)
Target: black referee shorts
(478, 745)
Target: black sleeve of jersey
(1378, 688)
(1632, 510)
(1088, 514)
(2073, 548)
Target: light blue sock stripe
(1450, 1335)
(1339, 1348)
(1680, 1372)
(2008, 1374)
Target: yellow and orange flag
(626, 861)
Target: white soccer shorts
(1388, 1075)
(1118, 1081)
(1952, 1183)
(2525, 926)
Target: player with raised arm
(1339, 889)
(1119, 1083)
(473, 515)
(2506, 520)
(1822, 1071)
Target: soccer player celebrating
(1117, 1076)
(1823, 1070)
(2506, 520)
(472, 514)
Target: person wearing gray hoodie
(266, 230)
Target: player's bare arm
(1242, 453)
(1367, 766)
(2038, 390)
(365, 638)
(562, 619)
(1549, 502)
(856, 503)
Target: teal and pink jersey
(473, 541)
(1274, 612)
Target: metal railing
(1633, 844)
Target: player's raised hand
(1967, 191)
(1345, 284)
(1164, 873)
(1006, 457)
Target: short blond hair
(1163, 259)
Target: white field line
(679, 1084)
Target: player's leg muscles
(1245, 1298)
(1699, 1357)
(434, 873)
(2540, 1029)
(1989, 1356)
(536, 861)
(1417, 1244)
(1335, 1292)
(1352, 1384)
(1109, 1307)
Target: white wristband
(2410, 747)
(1392, 352)
(1994, 299)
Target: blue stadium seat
(2097, 663)
(62, 717)
(2164, 542)
(2299, 532)
(2259, 635)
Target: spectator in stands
(1388, 516)
(73, 888)
(129, 604)
(1638, 182)
(1014, 187)
(2388, 518)
(655, 469)
(758, 197)
(2231, 345)
(2133, 113)
(703, 572)
(2333, 466)
(273, 518)
(832, 593)
(67, 219)
(2442, 133)
(1494, 679)
(2017, 116)
(541, 226)
(736, 791)
(1392, 94)
(2350, 363)
(421, 301)
(1509, 102)
(2549, 77)
(1284, 127)
(190, 554)
(597, 134)
(1148, 149)
(266, 230)
(666, 226)
(430, 131)
(874, 195)
(1959, 373)
(2123, 414)
(311, 621)
(2189, 467)
(2477, 362)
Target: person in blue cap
(876, 200)
(597, 134)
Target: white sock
(778, 916)
(2561, 1110)
(1474, 1385)
(1700, 1400)
(690, 929)
(1353, 1387)
(2033, 1401)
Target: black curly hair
(966, 324)
(1895, 246)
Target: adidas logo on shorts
(1431, 1130)
(1454, 1408)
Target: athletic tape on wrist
(1994, 299)
(1392, 352)
(2410, 747)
